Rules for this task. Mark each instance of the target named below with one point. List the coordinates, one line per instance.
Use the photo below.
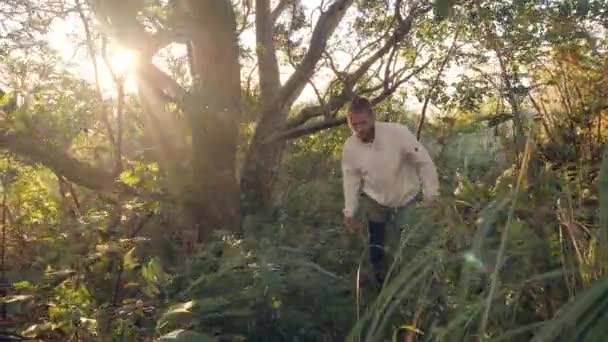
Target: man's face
(362, 123)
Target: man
(385, 166)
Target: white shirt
(390, 169)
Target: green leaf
(154, 275)
(34, 330)
(129, 178)
(153, 271)
(179, 314)
(182, 335)
(22, 285)
(15, 299)
(129, 260)
(108, 248)
(412, 329)
(588, 307)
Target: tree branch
(162, 82)
(445, 61)
(268, 67)
(391, 89)
(161, 39)
(92, 55)
(309, 129)
(119, 83)
(276, 13)
(325, 27)
(351, 79)
(41, 152)
(335, 103)
(241, 29)
(399, 34)
(118, 22)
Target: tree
(276, 100)
(204, 179)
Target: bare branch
(119, 83)
(399, 34)
(448, 55)
(390, 90)
(309, 129)
(247, 5)
(276, 12)
(372, 89)
(105, 117)
(398, 5)
(106, 60)
(362, 50)
(351, 79)
(161, 39)
(38, 151)
(335, 103)
(325, 27)
(119, 23)
(163, 82)
(389, 63)
(267, 59)
(320, 98)
(249, 78)
(334, 68)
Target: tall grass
(603, 210)
(503, 241)
(502, 307)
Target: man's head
(361, 118)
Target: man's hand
(351, 224)
(430, 202)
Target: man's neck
(371, 137)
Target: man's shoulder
(395, 127)
(348, 144)
(349, 141)
(391, 125)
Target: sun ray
(122, 61)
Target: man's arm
(419, 155)
(351, 180)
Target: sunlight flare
(122, 61)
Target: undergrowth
(516, 252)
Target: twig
(91, 49)
(119, 82)
(449, 54)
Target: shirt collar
(368, 144)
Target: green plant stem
(503, 241)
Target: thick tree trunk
(264, 155)
(263, 162)
(214, 110)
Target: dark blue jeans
(384, 227)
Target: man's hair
(361, 104)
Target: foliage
(516, 243)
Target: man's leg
(377, 218)
(398, 228)
(414, 233)
(376, 249)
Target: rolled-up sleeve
(427, 171)
(351, 179)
